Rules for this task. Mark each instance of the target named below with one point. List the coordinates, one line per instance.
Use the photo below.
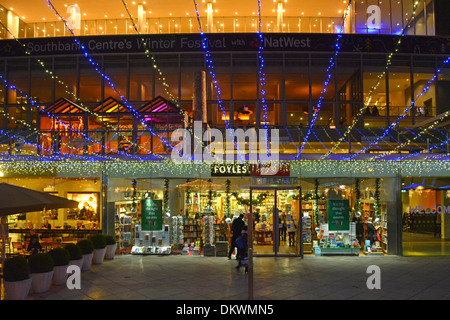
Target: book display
(192, 230)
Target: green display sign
(151, 219)
(338, 215)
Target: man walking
(236, 229)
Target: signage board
(151, 219)
(338, 215)
(217, 42)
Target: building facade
(357, 91)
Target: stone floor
(133, 277)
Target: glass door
(275, 221)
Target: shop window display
(425, 216)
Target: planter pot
(99, 255)
(110, 251)
(17, 290)
(41, 281)
(78, 263)
(87, 260)
(59, 275)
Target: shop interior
(426, 222)
(57, 226)
(199, 213)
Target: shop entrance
(275, 222)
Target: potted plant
(87, 250)
(61, 259)
(16, 278)
(110, 247)
(99, 242)
(41, 271)
(75, 255)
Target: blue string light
(329, 72)
(405, 113)
(210, 67)
(108, 80)
(262, 78)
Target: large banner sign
(217, 42)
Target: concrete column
(200, 114)
(210, 17)
(199, 104)
(13, 25)
(142, 18)
(280, 13)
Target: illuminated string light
(106, 78)
(155, 66)
(405, 113)
(262, 77)
(210, 66)
(54, 76)
(329, 72)
(373, 89)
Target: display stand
(340, 251)
(152, 242)
(306, 234)
(384, 235)
(177, 232)
(125, 231)
(338, 242)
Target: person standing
(236, 229)
(291, 229)
(283, 226)
(371, 232)
(242, 244)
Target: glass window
(66, 71)
(320, 64)
(274, 86)
(141, 78)
(90, 81)
(166, 84)
(425, 216)
(245, 114)
(400, 91)
(297, 77)
(190, 63)
(374, 87)
(245, 72)
(41, 81)
(348, 72)
(17, 76)
(116, 69)
(221, 63)
(424, 94)
(297, 114)
(397, 17)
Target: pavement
(196, 278)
